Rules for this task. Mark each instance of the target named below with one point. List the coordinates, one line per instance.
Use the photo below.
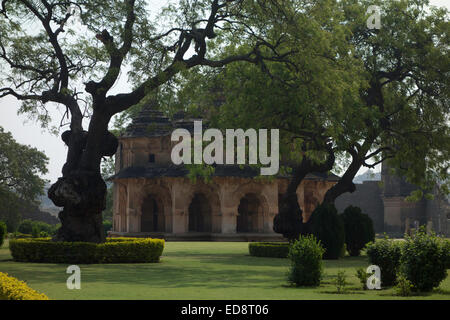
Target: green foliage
(20, 167)
(202, 171)
(107, 226)
(340, 281)
(20, 182)
(19, 235)
(3, 232)
(362, 275)
(358, 230)
(35, 231)
(327, 226)
(403, 286)
(27, 226)
(115, 250)
(269, 249)
(424, 260)
(386, 254)
(306, 267)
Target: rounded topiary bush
(269, 249)
(386, 254)
(26, 226)
(3, 231)
(116, 250)
(305, 256)
(327, 226)
(424, 260)
(358, 230)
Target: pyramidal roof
(149, 122)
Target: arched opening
(248, 210)
(152, 219)
(200, 214)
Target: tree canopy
(21, 168)
(47, 61)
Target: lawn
(197, 270)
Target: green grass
(197, 270)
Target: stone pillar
(180, 208)
(268, 222)
(133, 220)
(229, 221)
(216, 221)
(179, 223)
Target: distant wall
(368, 197)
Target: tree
(20, 170)
(306, 99)
(407, 64)
(48, 64)
(385, 100)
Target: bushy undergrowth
(36, 227)
(306, 268)
(424, 260)
(386, 254)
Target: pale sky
(30, 133)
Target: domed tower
(146, 140)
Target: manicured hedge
(269, 249)
(14, 289)
(116, 250)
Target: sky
(30, 133)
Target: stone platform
(200, 236)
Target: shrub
(14, 289)
(107, 226)
(340, 281)
(358, 230)
(386, 254)
(327, 226)
(26, 227)
(423, 260)
(129, 250)
(305, 256)
(362, 275)
(2, 232)
(447, 250)
(404, 286)
(269, 249)
(35, 231)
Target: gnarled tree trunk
(81, 190)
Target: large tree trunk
(345, 184)
(289, 220)
(81, 191)
(83, 197)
